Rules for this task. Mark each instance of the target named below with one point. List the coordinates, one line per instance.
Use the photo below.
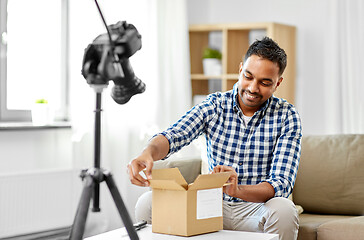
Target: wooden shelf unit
(235, 42)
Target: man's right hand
(157, 148)
(139, 164)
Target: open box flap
(169, 174)
(214, 180)
(165, 184)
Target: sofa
(329, 189)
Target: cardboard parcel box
(185, 209)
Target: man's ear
(240, 67)
(279, 81)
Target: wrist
(157, 148)
(147, 154)
(237, 192)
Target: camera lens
(122, 93)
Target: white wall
(35, 150)
(36, 179)
(309, 18)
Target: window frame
(9, 115)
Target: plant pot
(41, 114)
(212, 66)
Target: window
(33, 62)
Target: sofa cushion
(343, 229)
(330, 177)
(189, 168)
(309, 223)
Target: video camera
(107, 58)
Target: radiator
(37, 201)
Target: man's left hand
(232, 188)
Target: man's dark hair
(268, 49)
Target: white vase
(212, 67)
(41, 114)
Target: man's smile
(251, 96)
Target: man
(249, 133)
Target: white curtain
(162, 63)
(344, 67)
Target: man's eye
(248, 77)
(266, 83)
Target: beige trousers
(278, 215)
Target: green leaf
(211, 53)
(42, 100)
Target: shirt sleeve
(286, 156)
(190, 126)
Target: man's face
(258, 80)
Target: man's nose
(253, 86)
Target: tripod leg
(79, 222)
(121, 206)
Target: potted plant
(211, 61)
(41, 114)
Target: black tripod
(93, 177)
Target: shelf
(204, 77)
(11, 126)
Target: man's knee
(143, 208)
(282, 206)
(282, 219)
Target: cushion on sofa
(309, 223)
(330, 177)
(189, 168)
(342, 229)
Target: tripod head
(107, 58)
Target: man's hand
(261, 192)
(231, 189)
(144, 161)
(157, 148)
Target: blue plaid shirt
(266, 149)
